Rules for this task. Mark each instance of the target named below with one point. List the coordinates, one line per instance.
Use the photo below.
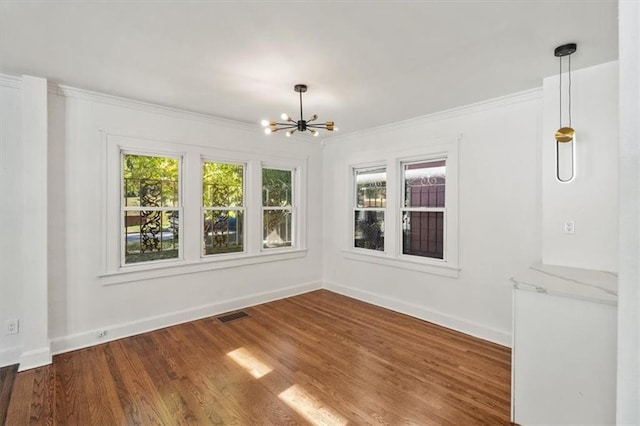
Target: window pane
(369, 230)
(276, 187)
(424, 184)
(151, 235)
(371, 188)
(423, 234)
(277, 228)
(150, 181)
(223, 231)
(222, 185)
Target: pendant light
(565, 134)
(302, 125)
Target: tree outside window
(222, 208)
(150, 208)
(277, 208)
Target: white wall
(628, 409)
(591, 198)
(499, 215)
(512, 209)
(10, 215)
(80, 301)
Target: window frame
(123, 208)
(394, 157)
(243, 208)
(292, 208)
(355, 208)
(402, 209)
(112, 271)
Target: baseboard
(445, 320)
(35, 358)
(119, 331)
(10, 356)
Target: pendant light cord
(570, 91)
(560, 97)
(560, 90)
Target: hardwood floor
(317, 358)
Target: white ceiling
(367, 63)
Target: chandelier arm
(317, 126)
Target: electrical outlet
(102, 333)
(11, 326)
(570, 227)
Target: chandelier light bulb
(285, 116)
(315, 132)
(267, 131)
(289, 133)
(264, 123)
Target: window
(151, 207)
(277, 208)
(222, 208)
(175, 208)
(369, 209)
(419, 180)
(423, 210)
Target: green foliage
(145, 167)
(150, 181)
(222, 185)
(276, 187)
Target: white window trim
(392, 256)
(123, 208)
(298, 215)
(242, 208)
(448, 192)
(355, 208)
(191, 260)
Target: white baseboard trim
(458, 324)
(118, 331)
(35, 358)
(10, 356)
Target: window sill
(166, 269)
(427, 267)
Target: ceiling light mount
(565, 50)
(301, 125)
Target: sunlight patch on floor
(246, 360)
(310, 408)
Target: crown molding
(10, 81)
(92, 96)
(503, 101)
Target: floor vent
(225, 318)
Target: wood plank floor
(317, 358)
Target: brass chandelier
(302, 125)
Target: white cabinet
(564, 347)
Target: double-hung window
(369, 210)
(423, 209)
(222, 208)
(277, 208)
(172, 208)
(150, 208)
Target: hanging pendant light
(302, 125)
(565, 134)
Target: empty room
(319, 212)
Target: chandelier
(301, 125)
